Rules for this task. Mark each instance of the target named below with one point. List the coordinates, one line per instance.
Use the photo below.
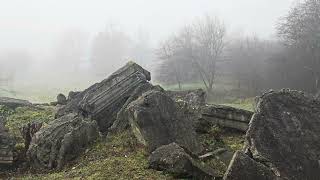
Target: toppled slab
(14, 103)
(284, 135)
(103, 100)
(6, 145)
(174, 160)
(242, 167)
(224, 116)
(61, 140)
(155, 121)
(194, 98)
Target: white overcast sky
(33, 24)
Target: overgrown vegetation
(220, 138)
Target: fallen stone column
(102, 101)
(224, 116)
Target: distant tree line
(202, 52)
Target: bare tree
(300, 30)
(201, 44)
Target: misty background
(52, 46)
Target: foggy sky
(34, 24)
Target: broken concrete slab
(175, 160)
(155, 120)
(61, 141)
(242, 167)
(103, 100)
(223, 116)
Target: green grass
(24, 115)
(118, 157)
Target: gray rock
(73, 95)
(7, 144)
(61, 99)
(122, 121)
(284, 135)
(175, 160)
(14, 103)
(61, 140)
(194, 98)
(155, 121)
(104, 100)
(242, 167)
(224, 116)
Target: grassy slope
(115, 158)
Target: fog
(47, 45)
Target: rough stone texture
(61, 141)
(155, 121)
(284, 133)
(122, 121)
(27, 132)
(224, 116)
(6, 145)
(194, 98)
(61, 99)
(104, 100)
(73, 94)
(14, 103)
(242, 167)
(174, 160)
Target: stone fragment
(283, 136)
(224, 116)
(61, 141)
(61, 99)
(242, 167)
(155, 121)
(175, 160)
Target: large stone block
(61, 140)
(103, 100)
(155, 120)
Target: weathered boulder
(194, 98)
(61, 140)
(175, 160)
(7, 144)
(121, 123)
(284, 135)
(155, 121)
(14, 103)
(224, 116)
(61, 99)
(242, 167)
(104, 100)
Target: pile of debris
(167, 124)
